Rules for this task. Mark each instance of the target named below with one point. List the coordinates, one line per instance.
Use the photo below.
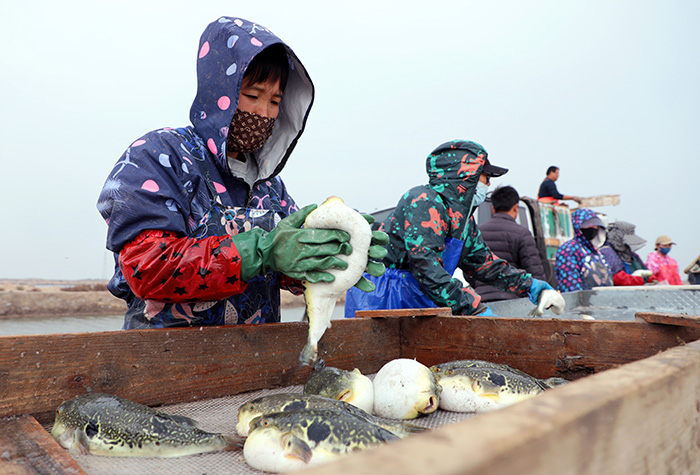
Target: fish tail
(234, 442)
(414, 428)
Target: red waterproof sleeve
(160, 265)
(623, 278)
(292, 285)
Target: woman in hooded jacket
(201, 225)
(432, 232)
(626, 267)
(578, 263)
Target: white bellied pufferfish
(104, 424)
(350, 386)
(294, 440)
(405, 389)
(321, 296)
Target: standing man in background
(509, 241)
(548, 189)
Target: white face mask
(480, 195)
(599, 240)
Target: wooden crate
(638, 410)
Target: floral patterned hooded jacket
(432, 232)
(172, 202)
(578, 264)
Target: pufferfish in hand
(321, 296)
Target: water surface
(40, 326)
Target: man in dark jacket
(549, 193)
(509, 241)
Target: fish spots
(318, 431)
(204, 50)
(295, 405)
(150, 185)
(91, 430)
(497, 379)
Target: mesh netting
(214, 415)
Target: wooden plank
(156, 367)
(639, 418)
(600, 200)
(670, 319)
(405, 312)
(542, 347)
(27, 448)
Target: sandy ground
(46, 298)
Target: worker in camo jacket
(432, 232)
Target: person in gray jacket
(509, 241)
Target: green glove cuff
(248, 246)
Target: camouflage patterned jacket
(429, 215)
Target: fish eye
(265, 422)
(448, 372)
(251, 406)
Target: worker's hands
(644, 273)
(377, 252)
(647, 275)
(535, 289)
(486, 313)
(299, 253)
(577, 199)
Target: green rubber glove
(377, 252)
(301, 254)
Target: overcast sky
(606, 90)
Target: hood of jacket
(454, 169)
(226, 48)
(578, 217)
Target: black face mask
(589, 233)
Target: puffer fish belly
(405, 389)
(321, 297)
(459, 396)
(272, 450)
(484, 389)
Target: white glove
(644, 273)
